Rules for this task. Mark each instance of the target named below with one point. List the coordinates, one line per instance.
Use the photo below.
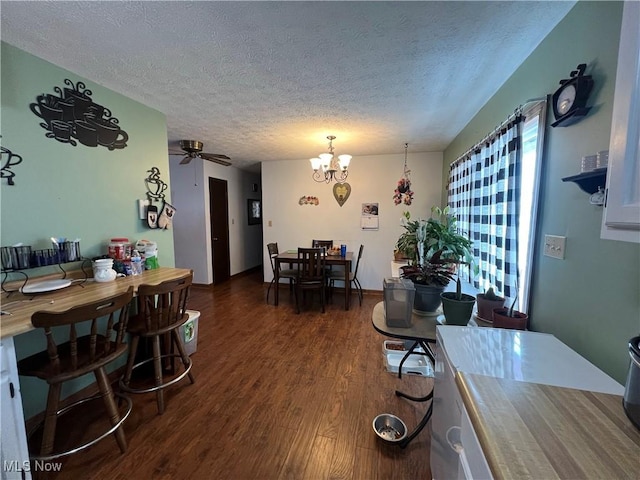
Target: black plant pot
(427, 299)
(457, 312)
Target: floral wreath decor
(403, 192)
(308, 200)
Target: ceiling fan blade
(185, 160)
(173, 152)
(218, 160)
(211, 156)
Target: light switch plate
(554, 246)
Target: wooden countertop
(529, 430)
(23, 306)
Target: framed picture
(254, 209)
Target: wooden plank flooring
(277, 396)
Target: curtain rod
(516, 112)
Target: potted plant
(435, 249)
(504, 317)
(457, 306)
(487, 302)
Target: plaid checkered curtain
(484, 195)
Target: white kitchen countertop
(523, 356)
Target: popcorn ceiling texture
(263, 81)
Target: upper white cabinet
(621, 216)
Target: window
(493, 192)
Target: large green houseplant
(434, 248)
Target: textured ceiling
(263, 81)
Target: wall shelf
(589, 181)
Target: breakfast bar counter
(20, 307)
(17, 310)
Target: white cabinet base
(14, 453)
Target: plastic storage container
(119, 248)
(413, 365)
(398, 301)
(189, 332)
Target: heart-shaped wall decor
(341, 192)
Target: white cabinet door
(621, 216)
(14, 453)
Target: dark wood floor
(277, 395)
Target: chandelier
(327, 168)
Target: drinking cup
(343, 250)
(22, 257)
(7, 258)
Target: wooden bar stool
(162, 310)
(78, 356)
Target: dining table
(291, 257)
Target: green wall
(69, 191)
(591, 299)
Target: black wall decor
(72, 116)
(8, 159)
(155, 191)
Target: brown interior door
(219, 219)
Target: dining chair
(311, 274)
(353, 277)
(162, 310)
(328, 244)
(105, 322)
(287, 273)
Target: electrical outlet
(554, 246)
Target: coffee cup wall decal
(155, 191)
(72, 116)
(8, 159)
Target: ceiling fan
(193, 149)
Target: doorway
(219, 223)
